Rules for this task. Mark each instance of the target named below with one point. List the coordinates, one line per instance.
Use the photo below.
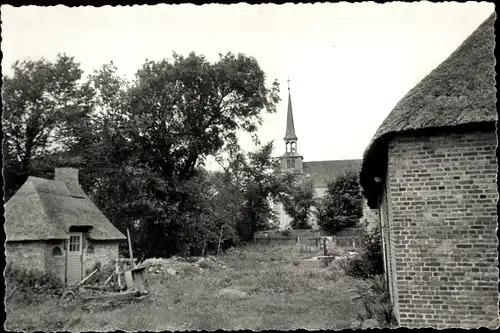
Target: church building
(320, 172)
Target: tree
(41, 100)
(342, 205)
(188, 109)
(261, 187)
(298, 201)
(174, 115)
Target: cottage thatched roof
(460, 91)
(321, 172)
(45, 209)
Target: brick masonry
(442, 213)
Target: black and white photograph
(320, 166)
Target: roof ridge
(321, 161)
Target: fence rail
(344, 241)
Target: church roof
(321, 172)
(460, 91)
(290, 127)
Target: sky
(349, 63)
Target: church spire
(290, 128)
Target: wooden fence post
(132, 261)
(220, 239)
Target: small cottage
(53, 226)
(431, 170)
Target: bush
(370, 262)
(32, 285)
(377, 302)
(342, 205)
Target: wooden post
(220, 239)
(203, 253)
(88, 277)
(132, 262)
(324, 247)
(118, 274)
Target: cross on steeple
(288, 81)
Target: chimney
(68, 175)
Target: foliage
(370, 262)
(42, 101)
(298, 200)
(376, 301)
(141, 146)
(187, 109)
(342, 204)
(31, 285)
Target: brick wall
(443, 218)
(103, 252)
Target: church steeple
(290, 136)
(290, 127)
(291, 160)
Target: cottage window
(56, 251)
(90, 249)
(74, 243)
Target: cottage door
(75, 260)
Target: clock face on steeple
(290, 163)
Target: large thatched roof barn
(431, 170)
(53, 226)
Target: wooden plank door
(75, 260)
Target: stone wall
(98, 251)
(26, 255)
(443, 219)
(55, 258)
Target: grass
(284, 292)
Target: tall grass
(281, 295)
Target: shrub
(370, 262)
(376, 301)
(32, 285)
(342, 205)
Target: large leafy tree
(342, 204)
(177, 113)
(41, 102)
(187, 109)
(181, 111)
(261, 187)
(298, 201)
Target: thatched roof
(460, 91)
(321, 172)
(45, 209)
